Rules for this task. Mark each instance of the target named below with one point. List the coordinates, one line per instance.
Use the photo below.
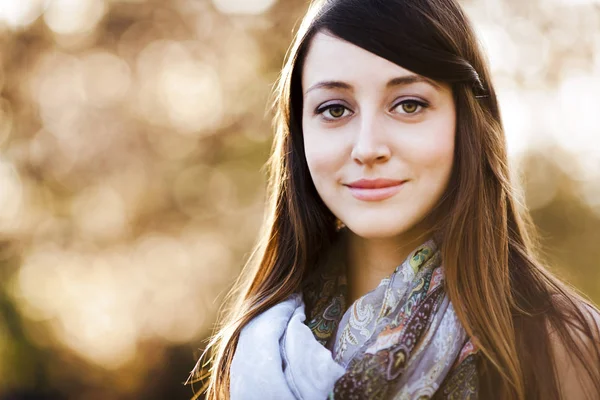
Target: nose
(370, 146)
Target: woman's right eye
(333, 112)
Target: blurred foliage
(132, 136)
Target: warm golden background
(132, 137)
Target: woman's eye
(337, 111)
(410, 106)
(333, 112)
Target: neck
(369, 260)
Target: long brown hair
(503, 296)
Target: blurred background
(132, 137)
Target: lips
(374, 189)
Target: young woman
(395, 261)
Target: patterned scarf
(400, 341)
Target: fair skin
(573, 379)
(365, 117)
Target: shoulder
(577, 354)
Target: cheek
(316, 156)
(323, 155)
(439, 154)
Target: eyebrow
(399, 81)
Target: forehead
(330, 57)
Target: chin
(378, 229)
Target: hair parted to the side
(503, 296)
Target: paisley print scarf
(402, 340)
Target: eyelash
(322, 109)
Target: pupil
(337, 112)
(409, 107)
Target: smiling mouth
(374, 190)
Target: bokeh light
(17, 14)
(74, 16)
(243, 6)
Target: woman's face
(379, 139)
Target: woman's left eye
(410, 106)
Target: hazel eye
(333, 112)
(337, 111)
(410, 106)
